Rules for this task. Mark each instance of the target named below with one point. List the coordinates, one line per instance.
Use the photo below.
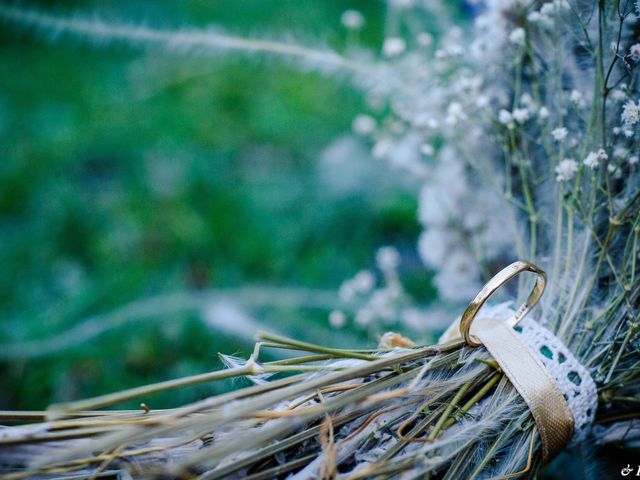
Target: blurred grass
(127, 174)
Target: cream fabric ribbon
(524, 369)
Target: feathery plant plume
(525, 134)
(210, 42)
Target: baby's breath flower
(566, 170)
(521, 115)
(352, 19)
(382, 148)
(543, 113)
(634, 51)
(455, 113)
(387, 258)
(619, 95)
(364, 281)
(534, 17)
(482, 101)
(393, 46)
(517, 36)
(577, 98)
(424, 39)
(526, 100)
(591, 160)
(630, 114)
(427, 149)
(363, 124)
(337, 319)
(559, 134)
(602, 155)
(505, 118)
(633, 160)
(620, 152)
(547, 9)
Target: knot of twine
(558, 390)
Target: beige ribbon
(530, 378)
(520, 364)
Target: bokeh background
(157, 209)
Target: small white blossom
(363, 124)
(455, 113)
(505, 118)
(521, 115)
(619, 95)
(634, 51)
(352, 19)
(517, 36)
(534, 17)
(364, 281)
(424, 39)
(387, 258)
(591, 160)
(393, 46)
(577, 98)
(559, 134)
(602, 155)
(482, 101)
(630, 114)
(620, 152)
(633, 160)
(364, 316)
(526, 100)
(541, 19)
(427, 149)
(543, 113)
(566, 170)
(547, 9)
(382, 148)
(337, 319)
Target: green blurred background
(132, 176)
(155, 209)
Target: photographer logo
(629, 470)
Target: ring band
(502, 277)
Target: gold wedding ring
(502, 277)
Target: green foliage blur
(127, 174)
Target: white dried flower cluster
(376, 302)
(352, 19)
(364, 125)
(452, 214)
(593, 159)
(361, 284)
(566, 170)
(630, 114)
(393, 46)
(559, 134)
(452, 95)
(517, 36)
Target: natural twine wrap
(557, 389)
